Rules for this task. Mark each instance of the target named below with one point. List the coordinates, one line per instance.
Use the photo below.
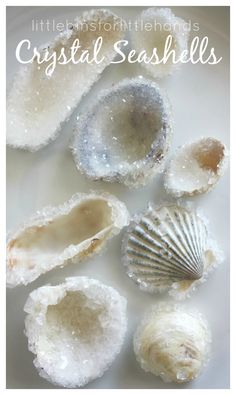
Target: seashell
(37, 103)
(164, 23)
(75, 329)
(173, 342)
(125, 135)
(74, 230)
(167, 248)
(196, 167)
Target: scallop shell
(167, 248)
(75, 329)
(173, 342)
(164, 23)
(125, 135)
(38, 104)
(196, 167)
(74, 230)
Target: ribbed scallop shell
(166, 245)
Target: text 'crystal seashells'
(75, 329)
(75, 230)
(196, 167)
(167, 248)
(173, 343)
(37, 104)
(161, 23)
(125, 135)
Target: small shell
(75, 329)
(37, 104)
(173, 343)
(167, 248)
(75, 230)
(164, 23)
(196, 167)
(125, 135)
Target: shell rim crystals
(140, 171)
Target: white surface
(200, 99)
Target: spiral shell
(173, 343)
(166, 247)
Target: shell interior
(164, 23)
(196, 167)
(125, 135)
(164, 246)
(37, 104)
(76, 329)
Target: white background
(200, 98)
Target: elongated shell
(37, 104)
(153, 27)
(173, 342)
(125, 135)
(76, 229)
(166, 248)
(75, 329)
(196, 167)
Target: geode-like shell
(74, 230)
(125, 135)
(167, 248)
(196, 167)
(75, 329)
(38, 104)
(173, 342)
(164, 23)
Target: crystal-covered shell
(38, 104)
(173, 342)
(167, 248)
(75, 329)
(54, 236)
(196, 167)
(161, 23)
(125, 135)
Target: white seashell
(164, 23)
(125, 135)
(173, 343)
(74, 230)
(75, 329)
(37, 104)
(196, 167)
(167, 248)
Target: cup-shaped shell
(154, 40)
(75, 329)
(167, 248)
(173, 342)
(54, 236)
(38, 104)
(125, 135)
(196, 167)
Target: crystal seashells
(74, 230)
(125, 135)
(196, 167)
(75, 329)
(168, 248)
(153, 40)
(173, 343)
(37, 103)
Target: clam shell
(164, 23)
(75, 329)
(38, 104)
(196, 167)
(125, 135)
(173, 342)
(52, 237)
(166, 248)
